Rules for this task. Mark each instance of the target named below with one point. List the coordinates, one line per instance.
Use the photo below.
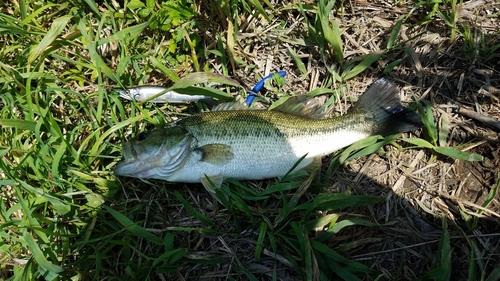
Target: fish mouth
(132, 165)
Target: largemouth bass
(259, 144)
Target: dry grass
(419, 188)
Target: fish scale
(255, 127)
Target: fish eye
(143, 136)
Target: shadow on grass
(355, 227)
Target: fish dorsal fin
(303, 106)
(234, 105)
(215, 153)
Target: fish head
(155, 154)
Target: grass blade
(56, 28)
(133, 227)
(330, 33)
(40, 257)
(259, 8)
(321, 222)
(342, 224)
(170, 257)
(443, 129)
(457, 154)
(362, 66)
(99, 63)
(442, 262)
(428, 120)
(260, 240)
(167, 71)
(331, 254)
(371, 148)
(357, 146)
(300, 65)
(205, 77)
(390, 67)
(191, 209)
(205, 91)
(494, 275)
(93, 6)
(394, 33)
(418, 142)
(331, 202)
(129, 32)
(19, 124)
(59, 205)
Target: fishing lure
(147, 92)
(258, 87)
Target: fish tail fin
(381, 101)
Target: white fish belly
(325, 144)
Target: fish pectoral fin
(216, 153)
(212, 182)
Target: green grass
(63, 213)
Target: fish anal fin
(212, 182)
(215, 153)
(314, 166)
